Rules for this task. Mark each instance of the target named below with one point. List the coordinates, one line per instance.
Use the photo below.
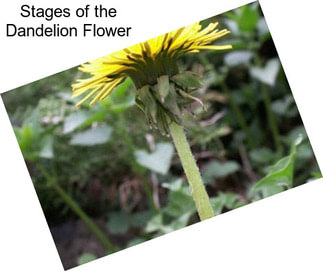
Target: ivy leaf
(159, 160)
(94, 136)
(179, 203)
(217, 170)
(224, 200)
(285, 107)
(74, 120)
(267, 74)
(238, 57)
(155, 223)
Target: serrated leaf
(97, 135)
(159, 160)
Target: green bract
(165, 101)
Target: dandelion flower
(162, 90)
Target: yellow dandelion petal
(146, 61)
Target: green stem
(77, 210)
(238, 114)
(149, 194)
(191, 170)
(271, 118)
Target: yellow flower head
(145, 62)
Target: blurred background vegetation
(101, 170)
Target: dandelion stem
(78, 210)
(192, 172)
(239, 116)
(271, 118)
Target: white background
(283, 232)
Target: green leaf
(304, 151)
(178, 223)
(118, 223)
(294, 134)
(232, 25)
(237, 58)
(97, 135)
(85, 258)
(262, 155)
(46, 150)
(140, 219)
(155, 223)
(224, 200)
(135, 241)
(24, 136)
(159, 160)
(74, 120)
(173, 185)
(121, 89)
(119, 108)
(216, 169)
(267, 74)
(284, 107)
(280, 176)
(262, 27)
(248, 18)
(179, 203)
